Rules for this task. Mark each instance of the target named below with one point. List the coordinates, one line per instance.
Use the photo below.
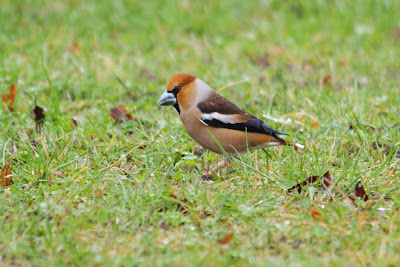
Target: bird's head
(181, 91)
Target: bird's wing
(221, 113)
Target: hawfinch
(209, 117)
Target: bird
(215, 122)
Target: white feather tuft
(298, 145)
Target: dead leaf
(277, 51)
(396, 32)
(262, 61)
(179, 204)
(119, 113)
(203, 215)
(37, 114)
(315, 125)
(33, 144)
(327, 79)
(148, 74)
(326, 180)
(5, 175)
(74, 47)
(314, 212)
(164, 226)
(10, 97)
(226, 239)
(74, 123)
(360, 192)
(59, 174)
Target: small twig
(124, 156)
(230, 85)
(44, 147)
(62, 153)
(111, 142)
(120, 81)
(62, 137)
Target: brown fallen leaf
(203, 215)
(326, 180)
(315, 125)
(5, 175)
(10, 97)
(327, 79)
(277, 51)
(314, 212)
(148, 74)
(37, 114)
(180, 206)
(119, 113)
(74, 47)
(396, 32)
(33, 144)
(359, 191)
(226, 239)
(262, 61)
(59, 174)
(164, 226)
(74, 123)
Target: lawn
(92, 190)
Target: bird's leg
(219, 165)
(228, 165)
(224, 161)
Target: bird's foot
(207, 176)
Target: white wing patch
(230, 119)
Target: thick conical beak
(166, 99)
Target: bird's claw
(207, 176)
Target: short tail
(296, 145)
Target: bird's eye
(176, 89)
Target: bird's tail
(296, 145)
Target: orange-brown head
(181, 91)
(180, 79)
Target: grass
(79, 59)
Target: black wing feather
(253, 125)
(219, 104)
